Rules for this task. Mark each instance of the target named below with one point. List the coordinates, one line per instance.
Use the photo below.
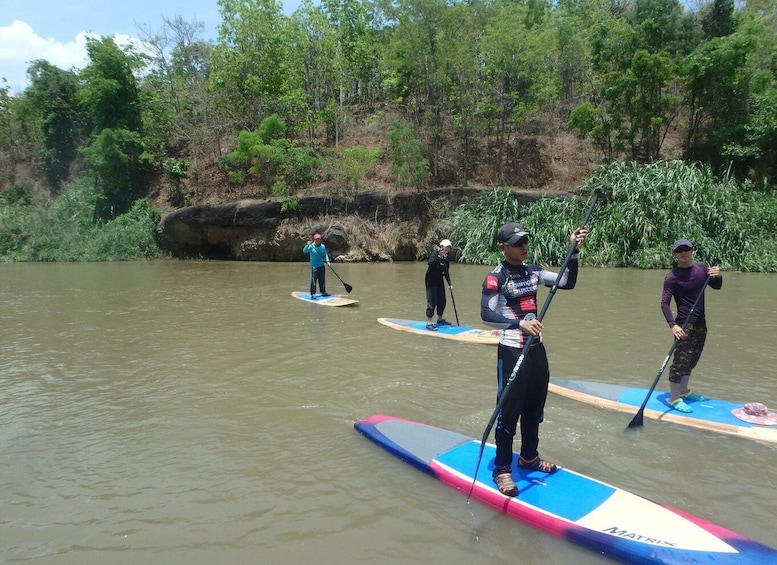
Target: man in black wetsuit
(437, 270)
(509, 302)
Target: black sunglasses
(521, 242)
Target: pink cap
(317, 236)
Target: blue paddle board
(595, 515)
(332, 300)
(709, 414)
(458, 333)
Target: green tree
(116, 163)
(717, 18)
(109, 91)
(52, 99)
(407, 162)
(250, 63)
(115, 150)
(176, 99)
(717, 80)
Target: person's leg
(696, 338)
(441, 303)
(680, 371)
(312, 282)
(537, 377)
(508, 419)
(513, 406)
(322, 281)
(431, 304)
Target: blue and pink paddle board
(709, 414)
(601, 517)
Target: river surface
(195, 413)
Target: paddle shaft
(348, 288)
(637, 420)
(530, 339)
(455, 312)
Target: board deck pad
(709, 414)
(458, 333)
(598, 516)
(332, 300)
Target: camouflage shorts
(687, 352)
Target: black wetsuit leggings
(525, 401)
(435, 300)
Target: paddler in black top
(437, 269)
(509, 302)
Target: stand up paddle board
(332, 300)
(598, 516)
(709, 414)
(458, 333)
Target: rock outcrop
(365, 227)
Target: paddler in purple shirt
(684, 283)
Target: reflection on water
(193, 412)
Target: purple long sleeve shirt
(685, 284)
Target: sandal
(680, 406)
(693, 397)
(504, 482)
(537, 464)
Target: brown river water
(195, 413)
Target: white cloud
(20, 46)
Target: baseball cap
(511, 233)
(445, 243)
(317, 236)
(681, 243)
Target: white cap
(445, 243)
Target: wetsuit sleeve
(489, 302)
(716, 282)
(568, 279)
(666, 299)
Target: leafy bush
(267, 156)
(69, 229)
(643, 209)
(356, 164)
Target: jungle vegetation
(273, 99)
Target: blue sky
(56, 30)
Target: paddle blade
(348, 288)
(636, 421)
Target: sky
(56, 30)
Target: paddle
(348, 288)
(454, 307)
(529, 340)
(636, 421)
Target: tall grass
(66, 229)
(643, 209)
